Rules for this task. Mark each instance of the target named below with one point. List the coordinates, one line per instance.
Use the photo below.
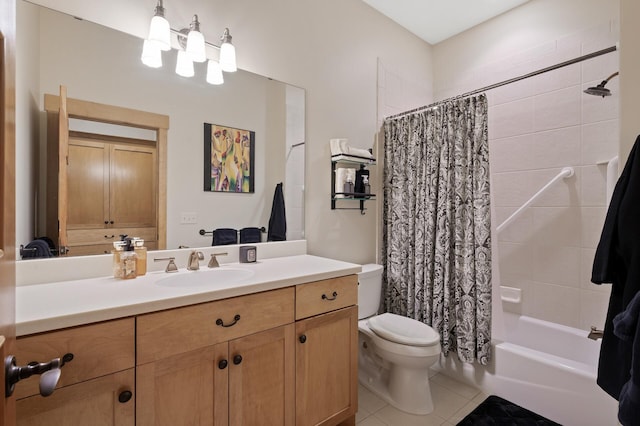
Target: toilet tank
(369, 290)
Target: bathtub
(545, 367)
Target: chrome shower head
(600, 90)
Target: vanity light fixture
(192, 48)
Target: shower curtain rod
(511, 80)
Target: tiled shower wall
(536, 127)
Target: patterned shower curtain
(436, 223)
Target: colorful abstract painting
(228, 159)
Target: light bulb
(151, 54)
(159, 30)
(214, 73)
(195, 42)
(227, 53)
(184, 65)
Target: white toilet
(395, 352)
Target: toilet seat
(403, 330)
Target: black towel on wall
(250, 235)
(224, 236)
(278, 219)
(617, 261)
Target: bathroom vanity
(276, 346)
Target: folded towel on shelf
(36, 249)
(250, 235)
(224, 236)
(341, 146)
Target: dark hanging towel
(224, 236)
(250, 235)
(617, 261)
(278, 219)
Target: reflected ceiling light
(195, 42)
(151, 54)
(193, 48)
(184, 64)
(227, 53)
(214, 72)
(159, 30)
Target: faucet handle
(171, 266)
(213, 262)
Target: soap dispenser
(141, 256)
(128, 260)
(365, 184)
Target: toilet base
(407, 390)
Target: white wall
(629, 72)
(536, 127)
(329, 48)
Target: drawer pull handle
(302, 338)
(335, 296)
(125, 396)
(222, 324)
(237, 359)
(223, 364)
(109, 237)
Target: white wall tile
(561, 78)
(557, 109)
(558, 265)
(511, 119)
(593, 185)
(510, 189)
(600, 141)
(518, 231)
(560, 225)
(557, 304)
(515, 259)
(593, 309)
(564, 192)
(599, 68)
(510, 154)
(592, 223)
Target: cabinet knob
(109, 237)
(111, 222)
(223, 364)
(237, 359)
(125, 396)
(302, 338)
(106, 222)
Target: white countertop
(45, 307)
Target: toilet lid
(403, 330)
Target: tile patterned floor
(452, 401)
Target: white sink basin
(206, 277)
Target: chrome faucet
(195, 257)
(595, 334)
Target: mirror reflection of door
(104, 185)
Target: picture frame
(229, 159)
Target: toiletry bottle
(128, 260)
(348, 187)
(118, 249)
(141, 252)
(365, 184)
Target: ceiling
(437, 20)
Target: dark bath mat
(495, 411)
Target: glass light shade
(195, 46)
(214, 72)
(160, 32)
(151, 54)
(228, 57)
(184, 65)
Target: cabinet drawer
(324, 296)
(98, 349)
(166, 333)
(108, 235)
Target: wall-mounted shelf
(339, 198)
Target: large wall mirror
(99, 64)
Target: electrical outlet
(188, 217)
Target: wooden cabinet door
(95, 402)
(261, 378)
(326, 368)
(133, 186)
(87, 184)
(185, 389)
